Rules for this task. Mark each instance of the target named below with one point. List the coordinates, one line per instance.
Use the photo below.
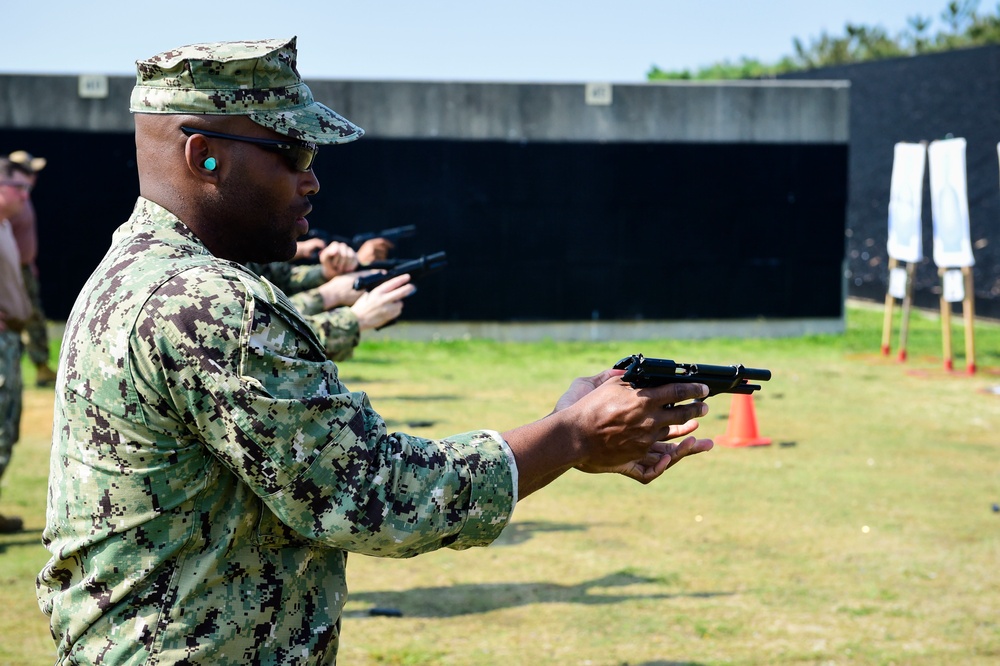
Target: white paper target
(950, 204)
(906, 195)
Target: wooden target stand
(907, 304)
(969, 314)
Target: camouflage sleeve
(242, 370)
(277, 273)
(289, 277)
(308, 302)
(337, 331)
(306, 276)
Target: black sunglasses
(300, 154)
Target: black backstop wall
(534, 230)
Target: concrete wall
(729, 112)
(54, 103)
(759, 112)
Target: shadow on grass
(349, 380)
(393, 424)
(20, 539)
(471, 599)
(421, 398)
(516, 533)
(370, 361)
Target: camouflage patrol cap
(257, 79)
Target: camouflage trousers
(10, 395)
(35, 334)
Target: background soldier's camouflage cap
(257, 79)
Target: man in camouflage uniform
(209, 470)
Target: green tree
(964, 28)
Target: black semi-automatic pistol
(357, 240)
(641, 372)
(392, 235)
(417, 268)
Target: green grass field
(864, 534)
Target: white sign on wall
(950, 204)
(92, 86)
(598, 94)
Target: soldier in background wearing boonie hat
(15, 309)
(209, 470)
(25, 227)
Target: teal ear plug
(210, 164)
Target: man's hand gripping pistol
(641, 372)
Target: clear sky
(443, 40)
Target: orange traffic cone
(742, 427)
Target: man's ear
(199, 160)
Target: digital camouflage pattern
(337, 329)
(258, 79)
(10, 395)
(35, 333)
(308, 302)
(288, 277)
(209, 470)
(338, 332)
